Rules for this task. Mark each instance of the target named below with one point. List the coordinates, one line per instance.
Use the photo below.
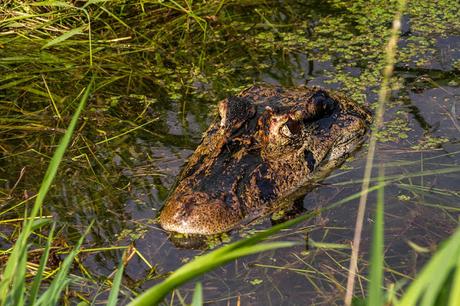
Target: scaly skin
(267, 144)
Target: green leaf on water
(327, 245)
(418, 248)
(52, 3)
(198, 295)
(256, 281)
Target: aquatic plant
(13, 278)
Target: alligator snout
(198, 213)
(266, 144)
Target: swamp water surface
(119, 172)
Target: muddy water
(126, 180)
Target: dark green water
(123, 182)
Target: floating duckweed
(429, 142)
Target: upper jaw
(198, 213)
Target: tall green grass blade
(64, 37)
(391, 293)
(18, 287)
(40, 222)
(383, 98)
(41, 268)
(454, 297)
(432, 277)
(52, 294)
(376, 263)
(52, 3)
(11, 268)
(113, 296)
(197, 295)
(89, 2)
(439, 280)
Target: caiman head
(266, 144)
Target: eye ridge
(286, 131)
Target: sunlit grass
(383, 98)
(13, 278)
(438, 282)
(376, 268)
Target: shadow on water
(123, 182)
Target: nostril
(310, 159)
(321, 104)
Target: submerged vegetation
(158, 68)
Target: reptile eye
(291, 128)
(285, 131)
(294, 126)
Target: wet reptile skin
(267, 143)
